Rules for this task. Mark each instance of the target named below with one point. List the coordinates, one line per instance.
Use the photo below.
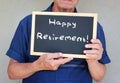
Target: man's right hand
(50, 61)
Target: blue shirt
(75, 71)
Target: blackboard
(62, 32)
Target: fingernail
(84, 51)
(86, 46)
(60, 54)
(92, 40)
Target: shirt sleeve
(17, 48)
(100, 35)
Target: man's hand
(50, 61)
(97, 70)
(97, 49)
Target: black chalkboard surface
(62, 32)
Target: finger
(91, 56)
(96, 41)
(63, 60)
(92, 52)
(54, 55)
(93, 46)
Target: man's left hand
(96, 51)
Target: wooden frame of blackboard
(94, 15)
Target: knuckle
(47, 56)
(52, 64)
(54, 68)
(44, 56)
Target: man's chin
(66, 7)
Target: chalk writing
(62, 23)
(62, 37)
